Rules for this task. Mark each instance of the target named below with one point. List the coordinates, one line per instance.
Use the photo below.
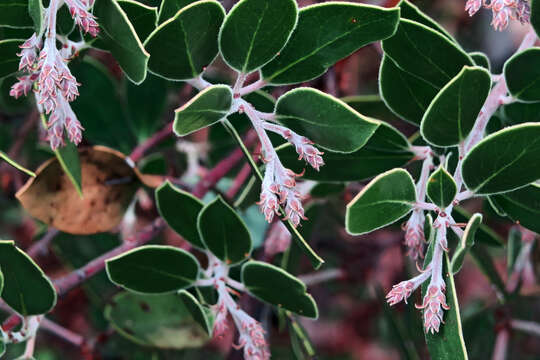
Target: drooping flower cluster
(414, 234)
(48, 74)
(503, 11)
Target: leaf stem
(257, 85)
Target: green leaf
(425, 53)
(513, 246)
(180, 210)
(206, 108)
(153, 269)
(143, 17)
(519, 113)
(412, 12)
(386, 199)
(9, 61)
(255, 31)
(522, 75)
(535, 15)
(325, 34)
(169, 8)
(14, 13)
(484, 235)
(183, 46)
(504, 161)
(158, 321)
(16, 165)
(522, 206)
(119, 37)
(202, 315)
(451, 115)
(372, 106)
(35, 10)
(329, 122)
(26, 288)
(481, 59)
(68, 157)
(466, 242)
(223, 232)
(2, 348)
(441, 188)
(448, 343)
(274, 285)
(406, 95)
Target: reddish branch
(239, 180)
(154, 140)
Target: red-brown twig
(152, 141)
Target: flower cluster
(54, 85)
(503, 11)
(414, 234)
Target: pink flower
(28, 53)
(433, 305)
(404, 289)
(83, 18)
(503, 11)
(252, 339)
(414, 234)
(23, 86)
(221, 324)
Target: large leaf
(255, 31)
(329, 122)
(14, 13)
(504, 161)
(208, 107)
(453, 112)
(142, 17)
(180, 210)
(26, 288)
(161, 321)
(425, 53)
(412, 12)
(522, 206)
(466, 242)
(223, 232)
(325, 34)
(522, 75)
(386, 199)
(9, 61)
(279, 288)
(169, 8)
(119, 37)
(183, 46)
(406, 95)
(441, 188)
(153, 269)
(35, 10)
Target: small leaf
(183, 46)
(330, 123)
(14, 13)
(2, 348)
(180, 210)
(441, 188)
(26, 288)
(68, 157)
(453, 112)
(208, 107)
(425, 53)
(484, 235)
(481, 59)
(35, 10)
(156, 321)
(169, 8)
(202, 315)
(466, 242)
(142, 17)
(119, 37)
(406, 95)
(522, 75)
(521, 205)
(325, 34)
(9, 61)
(223, 232)
(386, 199)
(504, 161)
(279, 288)
(153, 269)
(255, 31)
(514, 244)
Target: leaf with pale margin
(169, 8)
(481, 59)
(412, 12)
(279, 288)
(466, 242)
(153, 269)
(386, 199)
(202, 315)
(325, 34)
(522, 75)
(255, 31)
(441, 188)
(521, 205)
(206, 108)
(325, 120)
(142, 17)
(504, 161)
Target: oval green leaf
(504, 161)
(279, 288)
(441, 188)
(142, 17)
(466, 242)
(451, 115)
(522, 75)
(153, 269)
(325, 34)
(223, 232)
(329, 122)
(26, 288)
(481, 59)
(255, 31)
(208, 107)
(202, 315)
(14, 13)
(183, 46)
(180, 210)
(521, 205)
(386, 199)
(412, 12)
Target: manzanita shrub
(446, 143)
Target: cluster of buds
(414, 234)
(48, 74)
(503, 11)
